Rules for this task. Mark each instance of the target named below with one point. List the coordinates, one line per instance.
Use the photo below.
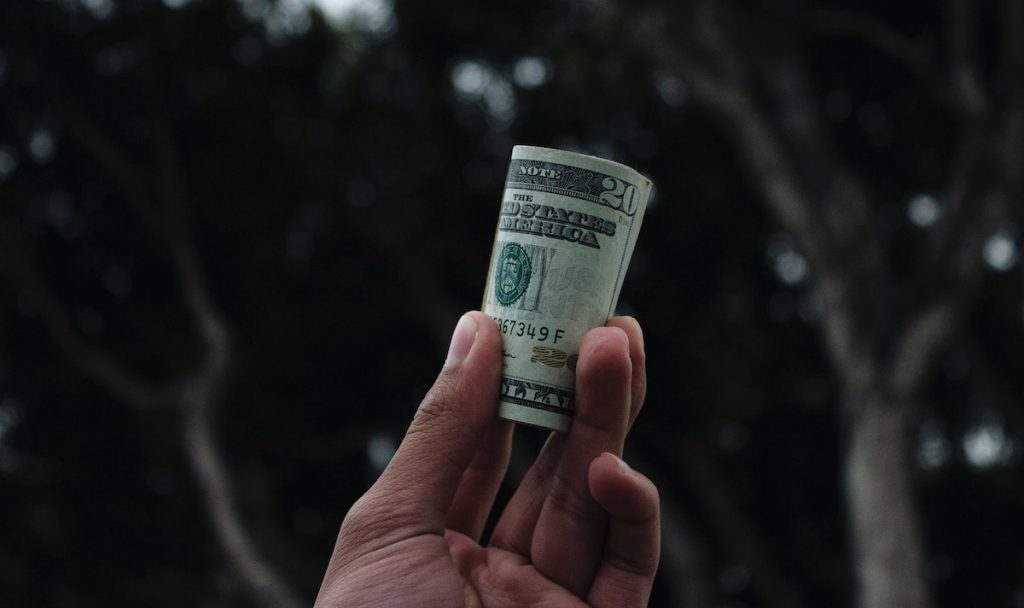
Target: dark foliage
(341, 185)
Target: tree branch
(829, 180)
(201, 391)
(987, 170)
(131, 176)
(991, 177)
(263, 583)
(964, 77)
(953, 283)
(159, 200)
(914, 54)
(764, 153)
(970, 110)
(922, 341)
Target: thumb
(421, 480)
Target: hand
(582, 528)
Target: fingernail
(462, 340)
(623, 467)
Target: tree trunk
(888, 552)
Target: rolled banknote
(566, 231)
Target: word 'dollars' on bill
(566, 231)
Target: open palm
(581, 529)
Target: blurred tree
(248, 222)
(883, 326)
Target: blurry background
(235, 237)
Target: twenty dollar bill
(566, 231)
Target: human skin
(582, 529)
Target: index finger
(569, 535)
(638, 358)
(515, 529)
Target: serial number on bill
(540, 333)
